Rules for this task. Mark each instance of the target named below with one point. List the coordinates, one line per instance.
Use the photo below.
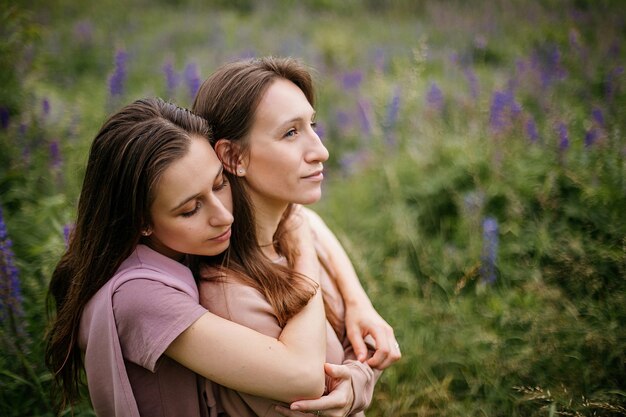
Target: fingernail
(295, 407)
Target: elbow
(308, 384)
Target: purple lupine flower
(434, 97)
(590, 137)
(531, 130)
(352, 80)
(598, 117)
(4, 117)
(504, 109)
(10, 289)
(67, 231)
(472, 82)
(563, 136)
(55, 155)
(45, 106)
(393, 109)
(490, 250)
(364, 110)
(192, 78)
(118, 77)
(171, 78)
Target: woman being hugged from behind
(262, 115)
(127, 306)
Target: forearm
(245, 360)
(346, 277)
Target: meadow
(477, 176)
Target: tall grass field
(477, 177)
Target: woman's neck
(267, 217)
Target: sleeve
(364, 377)
(149, 315)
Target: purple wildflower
(45, 106)
(55, 155)
(118, 77)
(490, 250)
(352, 80)
(393, 109)
(590, 137)
(67, 231)
(434, 97)
(598, 117)
(192, 78)
(365, 110)
(171, 78)
(563, 136)
(10, 291)
(504, 109)
(531, 130)
(4, 117)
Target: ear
(228, 153)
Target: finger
(337, 371)
(393, 354)
(358, 344)
(382, 348)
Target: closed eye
(192, 212)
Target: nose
(219, 214)
(317, 152)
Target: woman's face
(284, 162)
(192, 210)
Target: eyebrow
(297, 119)
(188, 199)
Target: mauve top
(238, 302)
(125, 329)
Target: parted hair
(228, 99)
(126, 160)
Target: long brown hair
(127, 158)
(228, 99)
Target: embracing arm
(285, 369)
(361, 317)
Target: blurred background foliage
(477, 176)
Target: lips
(316, 175)
(223, 237)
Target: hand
(337, 403)
(363, 320)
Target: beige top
(245, 305)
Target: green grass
(410, 181)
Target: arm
(285, 369)
(361, 317)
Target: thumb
(358, 344)
(336, 371)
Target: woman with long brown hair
(262, 115)
(127, 310)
